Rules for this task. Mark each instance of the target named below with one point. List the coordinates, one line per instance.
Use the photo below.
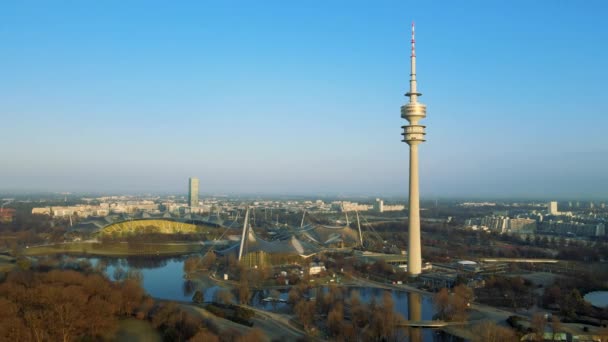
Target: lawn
(114, 249)
(6, 263)
(134, 330)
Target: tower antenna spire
(413, 93)
(413, 39)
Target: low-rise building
(343, 206)
(316, 268)
(521, 225)
(504, 224)
(438, 280)
(495, 223)
(41, 211)
(573, 228)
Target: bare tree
(459, 303)
(209, 260)
(453, 307)
(388, 313)
(556, 326)
(441, 300)
(464, 292)
(132, 295)
(191, 264)
(334, 319)
(538, 324)
(305, 311)
(294, 295)
(490, 332)
(244, 291)
(224, 297)
(359, 313)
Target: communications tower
(413, 135)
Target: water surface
(597, 298)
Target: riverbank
(115, 249)
(478, 313)
(6, 263)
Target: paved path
(279, 320)
(275, 328)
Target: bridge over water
(430, 324)
(522, 260)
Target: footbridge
(522, 260)
(430, 324)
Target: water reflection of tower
(414, 312)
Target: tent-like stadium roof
(329, 235)
(253, 243)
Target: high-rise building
(413, 135)
(193, 192)
(552, 208)
(379, 206)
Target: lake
(163, 278)
(597, 298)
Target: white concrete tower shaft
(413, 135)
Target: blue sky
(303, 97)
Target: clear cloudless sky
(303, 97)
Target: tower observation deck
(413, 135)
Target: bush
(515, 322)
(215, 310)
(242, 321)
(198, 297)
(244, 313)
(234, 313)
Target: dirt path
(275, 326)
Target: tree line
(345, 317)
(68, 305)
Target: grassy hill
(149, 227)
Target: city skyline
(113, 105)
